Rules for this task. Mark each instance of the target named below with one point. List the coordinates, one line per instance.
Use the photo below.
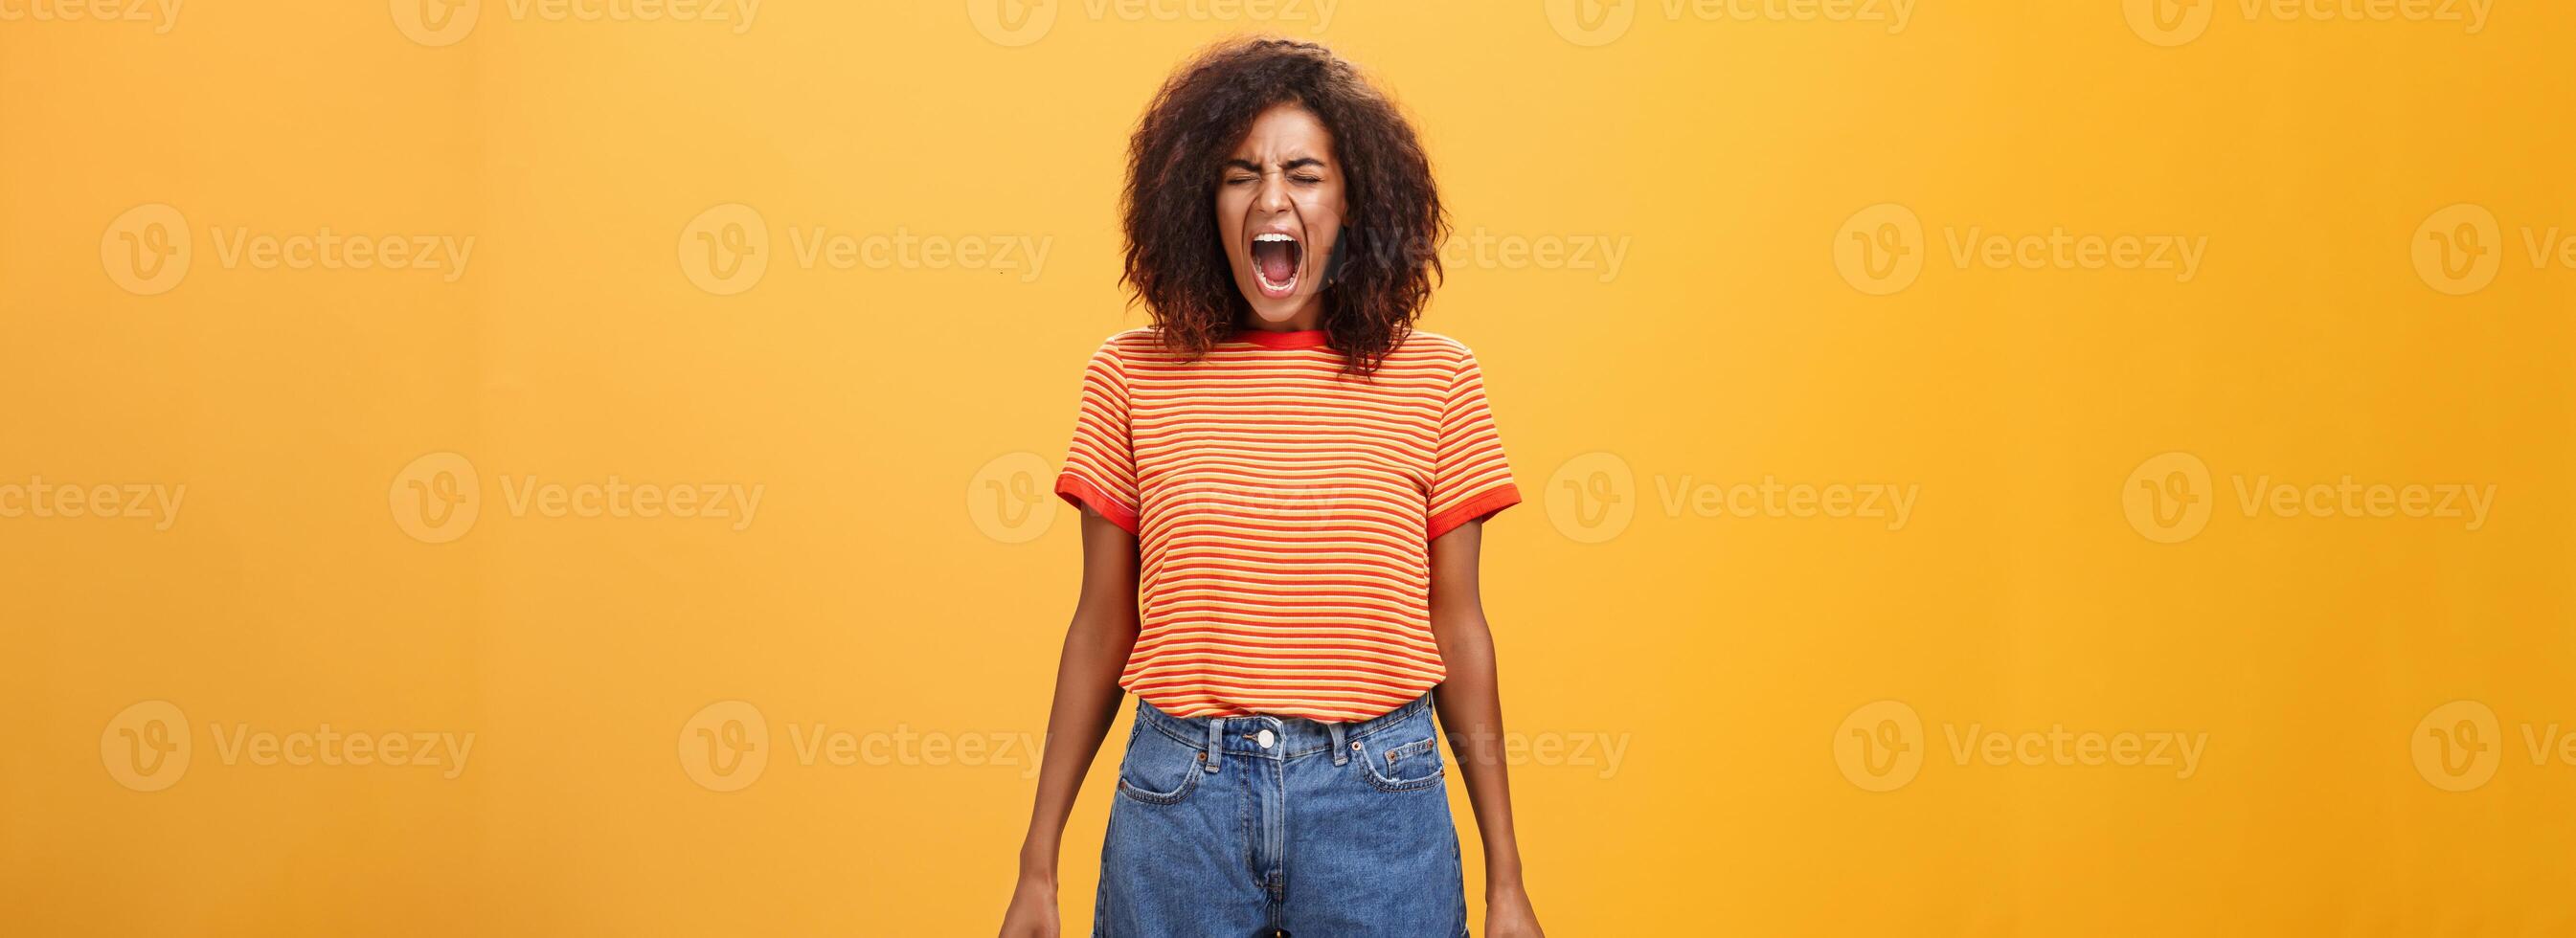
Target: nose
(1273, 196)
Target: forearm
(1096, 645)
(1471, 715)
(1470, 702)
(1086, 703)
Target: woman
(1282, 487)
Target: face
(1279, 209)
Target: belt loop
(1341, 750)
(1216, 742)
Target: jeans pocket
(1159, 769)
(1403, 766)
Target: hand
(1032, 913)
(1508, 915)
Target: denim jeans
(1258, 825)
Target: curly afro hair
(1175, 259)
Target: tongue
(1276, 260)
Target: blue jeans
(1234, 826)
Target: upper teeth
(1273, 237)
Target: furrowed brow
(1295, 164)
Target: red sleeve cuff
(1079, 493)
(1477, 508)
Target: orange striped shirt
(1284, 512)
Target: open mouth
(1276, 261)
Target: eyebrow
(1298, 163)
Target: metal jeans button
(1265, 739)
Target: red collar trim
(1309, 338)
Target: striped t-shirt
(1284, 512)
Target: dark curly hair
(1176, 263)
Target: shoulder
(1435, 348)
(1128, 345)
(1138, 337)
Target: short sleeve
(1100, 466)
(1470, 480)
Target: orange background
(904, 578)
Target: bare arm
(1471, 715)
(1096, 644)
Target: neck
(1307, 318)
